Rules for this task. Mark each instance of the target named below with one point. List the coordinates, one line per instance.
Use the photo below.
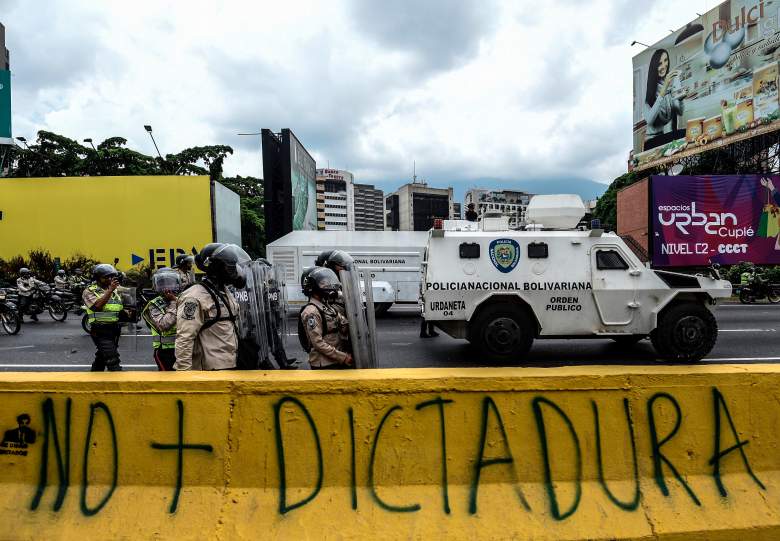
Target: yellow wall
(105, 217)
(541, 477)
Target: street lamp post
(89, 140)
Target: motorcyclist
(184, 268)
(61, 281)
(27, 285)
(104, 306)
(325, 326)
(206, 337)
(160, 314)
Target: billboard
(5, 108)
(303, 181)
(720, 219)
(149, 220)
(289, 184)
(711, 83)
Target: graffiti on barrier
(548, 417)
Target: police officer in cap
(324, 325)
(184, 268)
(104, 306)
(206, 337)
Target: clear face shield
(166, 280)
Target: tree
(606, 208)
(250, 190)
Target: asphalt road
(748, 334)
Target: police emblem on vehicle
(504, 253)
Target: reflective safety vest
(160, 340)
(110, 312)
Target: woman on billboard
(661, 108)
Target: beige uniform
(329, 349)
(213, 349)
(61, 283)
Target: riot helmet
(202, 259)
(184, 261)
(224, 265)
(322, 281)
(104, 270)
(61, 272)
(24, 271)
(338, 260)
(322, 259)
(166, 279)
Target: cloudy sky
(513, 91)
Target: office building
(511, 203)
(335, 194)
(5, 56)
(414, 207)
(369, 208)
(343, 205)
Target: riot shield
(128, 320)
(272, 295)
(251, 319)
(362, 326)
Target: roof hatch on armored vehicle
(555, 211)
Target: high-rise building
(457, 213)
(335, 196)
(511, 203)
(414, 207)
(369, 208)
(5, 56)
(343, 205)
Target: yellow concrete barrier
(567, 453)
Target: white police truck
(501, 289)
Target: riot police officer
(104, 305)
(184, 268)
(325, 327)
(160, 315)
(206, 337)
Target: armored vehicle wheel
(628, 340)
(381, 308)
(502, 332)
(685, 332)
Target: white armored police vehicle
(501, 289)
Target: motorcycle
(758, 289)
(10, 319)
(45, 299)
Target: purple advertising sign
(715, 219)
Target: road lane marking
(400, 343)
(740, 359)
(3, 365)
(747, 330)
(15, 347)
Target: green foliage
(606, 208)
(54, 155)
(733, 273)
(42, 265)
(250, 190)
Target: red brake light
(438, 223)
